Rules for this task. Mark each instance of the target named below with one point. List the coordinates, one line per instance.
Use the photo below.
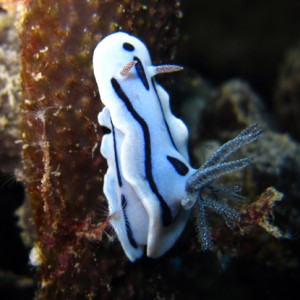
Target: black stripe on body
(128, 228)
(141, 73)
(167, 126)
(179, 166)
(105, 130)
(166, 212)
(116, 154)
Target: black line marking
(128, 228)
(179, 166)
(166, 212)
(141, 73)
(105, 130)
(168, 128)
(116, 154)
(128, 47)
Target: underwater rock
(287, 94)
(9, 94)
(276, 163)
(233, 107)
(61, 136)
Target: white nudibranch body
(149, 185)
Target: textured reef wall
(9, 94)
(60, 135)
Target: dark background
(240, 39)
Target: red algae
(261, 213)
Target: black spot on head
(128, 47)
(179, 166)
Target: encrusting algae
(9, 94)
(61, 137)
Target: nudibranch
(150, 185)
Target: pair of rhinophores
(150, 185)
